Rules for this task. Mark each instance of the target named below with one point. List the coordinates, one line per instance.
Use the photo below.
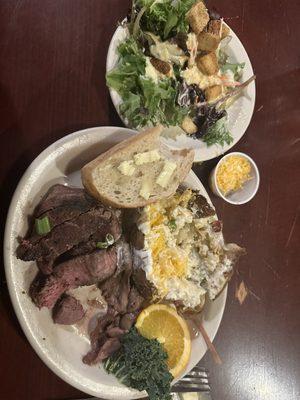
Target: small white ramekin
(248, 190)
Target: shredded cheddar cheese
(232, 173)
(168, 261)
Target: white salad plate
(61, 347)
(239, 113)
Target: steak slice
(110, 346)
(98, 236)
(135, 300)
(115, 332)
(124, 302)
(60, 204)
(116, 289)
(61, 196)
(67, 311)
(127, 321)
(67, 235)
(142, 284)
(98, 336)
(79, 271)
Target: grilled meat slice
(67, 311)
(62, 238)
(61, 196)
(135, 300)
(99, 337)
(127, 321)
(79, 271)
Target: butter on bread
(137, 171)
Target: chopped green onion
(172, 225)
(102, 245)
(109, 240)
(42, 226)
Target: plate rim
(8, 266)
(249, 116)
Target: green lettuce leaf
(222, 57)
(235, 68)
(165, 18)
(144, 102)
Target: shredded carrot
(229, 84)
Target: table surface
(52, 68)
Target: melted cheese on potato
(184, 256)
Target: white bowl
(249, 189)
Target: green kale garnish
(218, 133)
(141, 364)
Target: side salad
(173, 69)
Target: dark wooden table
(52, 67)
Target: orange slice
(162, 322)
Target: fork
(197, 380)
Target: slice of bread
(104, 180)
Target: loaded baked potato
(179, 251)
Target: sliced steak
(142, 284)
(127, 321)
(60, 196)
(115, 332)
(60, 204)
(110, 346)
(135, 300)
(116, 291)
(67, 311)
(124, 302)
(79, 271)
(87, 247)
(98, 336)
(117, 288)
(67, 235)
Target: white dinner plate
(239, 114)
(60, 347)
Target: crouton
(218, 28)
(161, 66)
(225, 31)
(215, 27)
(188, 125)
(208, 64)
(208, 41)
(213, 92)
(198, 17)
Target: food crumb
(23, 291)
(241, 293)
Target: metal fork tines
(195, 381)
